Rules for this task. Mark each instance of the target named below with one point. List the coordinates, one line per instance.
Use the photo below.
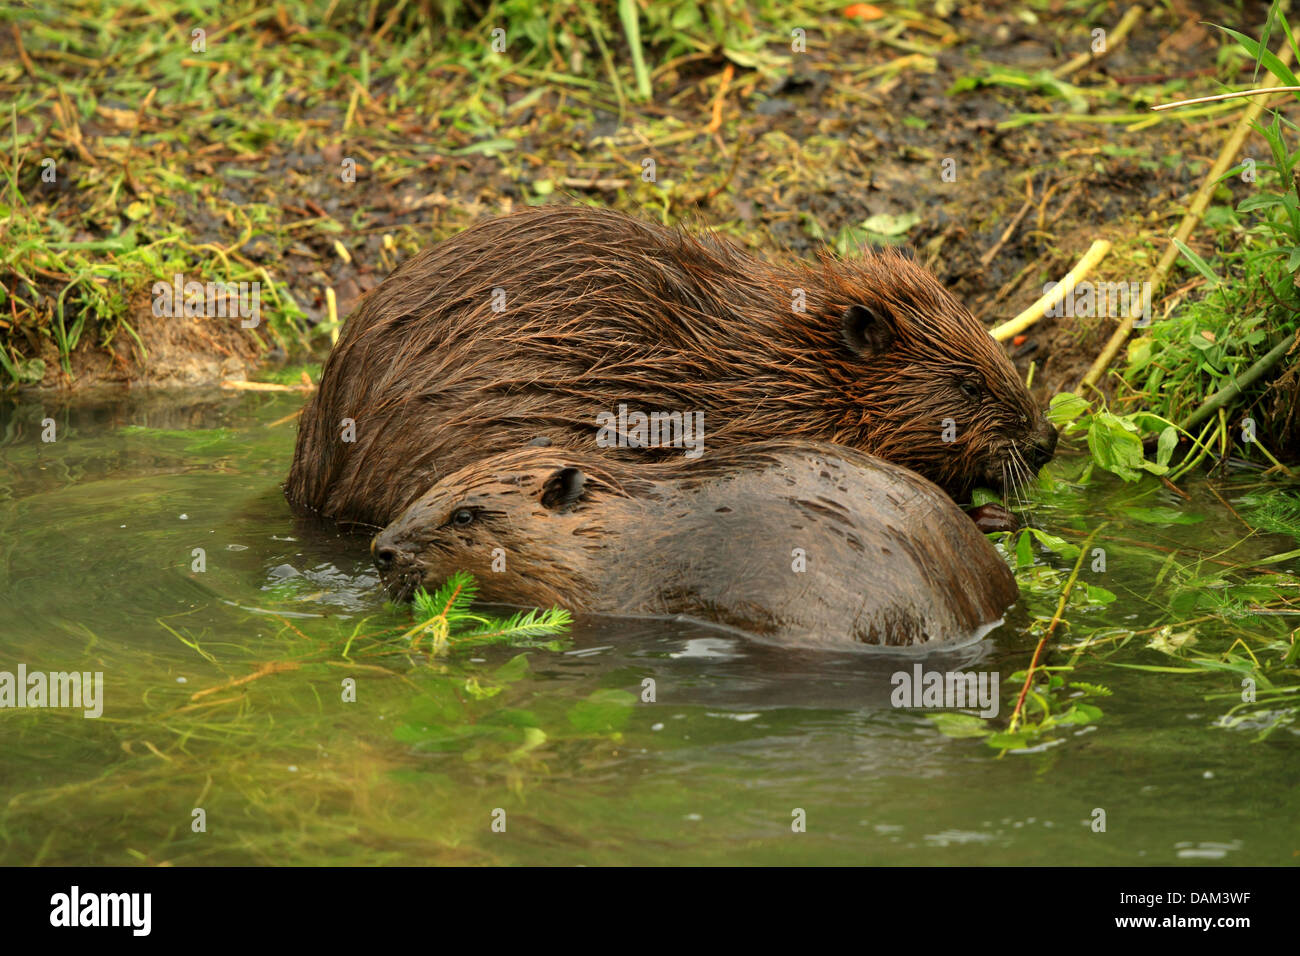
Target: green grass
(175, 156)
(1250, 306)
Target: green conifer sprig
(447, 618)
(451, 600)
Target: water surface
(98, 531)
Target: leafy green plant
(1115, 440)
(1051, 704)
(1213, 353)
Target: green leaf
(1053, 543)
(1065, 407)
(1263, 55)
(534, 737)
(1161, 514)
(488, 147)
(1024, 551)
(478, 691)
(1016, 741)
(884, 224)
(952, 724)
(1099, 595)
(1165, 446)
(1197, 262)
(1115, 446)
(1080, 713)
(1286, 28)
(1263, 201)
(512, 670)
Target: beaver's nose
(1043, 447)
(383, 553)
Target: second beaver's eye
(461, 517)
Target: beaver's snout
(1042, 445)
(385, 558)
(387, 553)
(399, 570)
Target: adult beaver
(797, 542)
(538, 322)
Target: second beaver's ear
(867, 330)
(563, 488)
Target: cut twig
(1006, 234)
(1096, 252)
(1234, 388)
(1051, 628)
(1114, 41)
(271, 667)
(22, 53)
(595, 185)
(716, 122)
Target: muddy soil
(898, 126)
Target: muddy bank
(948, 134)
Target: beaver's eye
(970, 389)
(461, 517)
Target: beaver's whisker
(1018, 464)
(1024, 476)
(1013, 479)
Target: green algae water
(257, 708)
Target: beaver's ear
(868, 330)
(563, 488)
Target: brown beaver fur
(600, 309)
(889, 558)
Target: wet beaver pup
(799, 543)
(537, 322)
